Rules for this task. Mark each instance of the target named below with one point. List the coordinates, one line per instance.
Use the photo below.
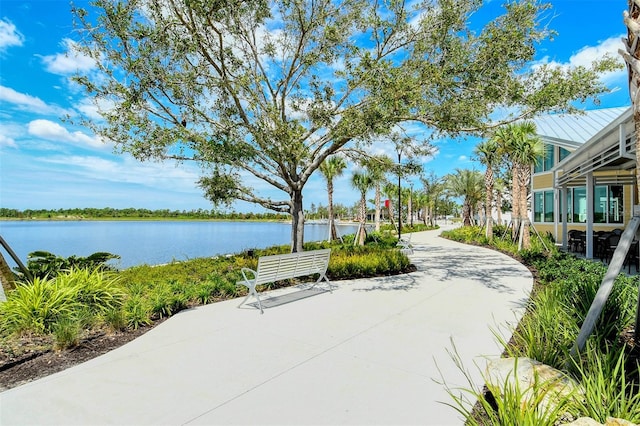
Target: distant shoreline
(132, 219)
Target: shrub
(34, 308)
(43, 264)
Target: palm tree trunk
(363, 220)
(499, 207)
(466, 213)
(378, 209)
(515, 203)
(524, 192)
(488, 203)
(333, 234)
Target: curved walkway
(368, 353)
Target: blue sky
(48, 163)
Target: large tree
(265, 90)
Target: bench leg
(252, 292)
(323, 277)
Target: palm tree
(331, 168)
(377, 167)
(468, 185)
(433, 187)
(523, 148)
(363, 182)
(499, 186)
(488, 154)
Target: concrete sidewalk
(365, 354)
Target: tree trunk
(499, 207)
(410, 211)
(297, 221)
(7, 279)
(524, 216)
(333, 234)
(515, 202)
(363, 220)
(378, 209)
(466, 213)
(488, 204)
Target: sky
(48, 163)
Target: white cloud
(463, 159)
(127, 170)
(9, 35)
(68, 62)
(49, 130)
(7, 141)
(8, 134)
(588, 54)
(27, 102)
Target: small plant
(136, 312)
(66, 332)
(506, 403)
(115, 318)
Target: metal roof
(573, 130)
(611, 146)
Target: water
(152, 242)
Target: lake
(151, 242)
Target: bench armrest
(247, 281)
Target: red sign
(386, 204)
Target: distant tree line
(132, 213)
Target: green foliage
(75, 296)
(546, 333)
(34, 308)
(506, 403)
(609, 377)
(66, 332)
(609, 383)
(43, 264)
(136, 312)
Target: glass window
(563, 154)
(548, 206)
(579, 210)
(546, 161)
(543, 210)
(549, 157)
(569, 205)
(538, 206)
(616, 204)
(538, 165)
(600, 204)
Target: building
(586, 180)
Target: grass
(607, 370)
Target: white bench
(285, 266)
(405, 245)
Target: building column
(589, 233)
(564, 215)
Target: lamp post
(399, 194)
(410, 205)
